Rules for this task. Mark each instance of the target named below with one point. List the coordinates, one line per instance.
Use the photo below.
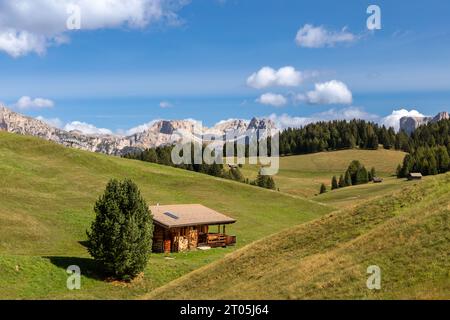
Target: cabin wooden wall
(177, 239)
(158, 239)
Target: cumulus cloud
(331, 92)
(26, 102)
(272, 99)
(393, 120)
(310, 36)
(286, 121)
(54, 122)
(85, 128)
(139, 128)
(33, 25)
(268, 77)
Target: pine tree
(399, 172)
(334, 183)
(235, 174)
(372, 174)
(120, 237)
(215, 170)
(270, 183)
(342, 182)
(348, 179)
(323, 188)
(265, 181)
(362, 176)
(443, 159)
(353, 169)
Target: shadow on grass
(84, 243)
(89, 267)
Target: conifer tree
(323, 188)
(348, 179)
(334, 183)
(372, 174)
(120, 238)
(362, 176)
(342, 181)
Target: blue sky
(195, 59)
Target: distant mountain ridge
(160, 133)
(410, 124)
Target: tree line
(429, 150)
(428, 147)
(355, 174)
(336, 135)
(162, 155)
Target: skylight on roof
(170, 214)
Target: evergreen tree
(323, 188)
(215, 170)
(235, 174)
(348, 179)
(264, 181)
(334, 183)
(399, 172)
(372, 174)
(342, 183)
(270, 183)
(362, 176)
(120, 238)
(443, 159)
(353, 169)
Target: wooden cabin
(415, 176)
(185, 227)
(377, 180)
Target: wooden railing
(215, 240)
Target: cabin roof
(184, 215)
(415, 174)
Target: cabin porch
(190, 238)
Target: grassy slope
(406, 234)
(47, 193)
(302, 175)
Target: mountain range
(410, 124)
(161, 132)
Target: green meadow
(291, 243)
(405, 234)
(302, 175)
(47, 193)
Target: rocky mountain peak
(410, 124)
(261, 124)
(161, 132)
(441, 116)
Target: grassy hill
(406, 234)
(47, 193)
(302, 175)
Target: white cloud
(348, 113)
(53, 122)
(286, 121)
(272, 99)
(331, 92)
(393, 120)
(310, 36)
(26, 102)
(165, 104)
(269, 77)
(140, 128)
(85, 128)
(33, 25)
